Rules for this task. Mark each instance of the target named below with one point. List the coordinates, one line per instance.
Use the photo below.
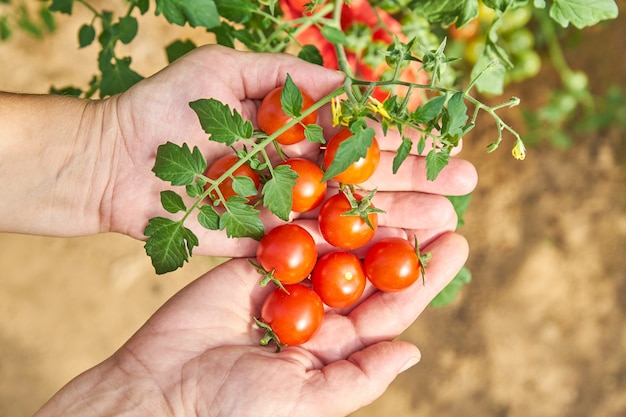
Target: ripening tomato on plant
(392, 264)
(310, 190)
(271, 117)
(221, 166)
(360, 170)
(291, 316)
(339, 279)
(346, 226)
(288, 253)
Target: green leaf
(201, 13)
(278, 191)
(244, 186)
(491, 74)
(194, 190)
(177, 164)
(291, 98)
(169, 244)
(143, 5)
(430, 110)
(460, 204)
(208, 217)
(403, 151)
(436, 161)
(445, 11)
(5, 29)
(351, 149)
(450, 292)
(178, 48)
(127, 29)
(314, 133)
(582, 13)
(86, 35)
(241, 219)
(334, 35)
(117, 76)
(237, 11)
(457, 112)
(63, 6)
(311, 54)
(172, 202)
(218, 121)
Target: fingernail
(409, 364)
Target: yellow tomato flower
(377, 107)
(519, 151)
(338, 118)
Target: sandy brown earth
(540, 331)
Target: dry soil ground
(539, 332)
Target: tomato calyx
(423, 259)
(362, 208)
(268, 276)
(270, 336)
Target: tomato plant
(242, 178)
(309, 190)
(347, 224)
(291, 316)
(392, 264)
(271, 116)
(360, 170)
(288, 253)
(339, 279)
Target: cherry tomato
(223, 164)
(271, 117)
(339, 279)
(360, 170)
(345, 232)
(288, 250)
(309, 191)
(466, 32)
(295, 314)
(392, 264)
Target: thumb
(362, 378)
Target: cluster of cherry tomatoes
(287, 255)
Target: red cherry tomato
(360, 170)
(295, 314)
(223, 164)
(309, 191)
(290, 251)
(345, 232)
(271, 117)
(392, 264)
(339, 279)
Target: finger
(359, 380)
(459, 177)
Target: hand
(156, 110)
(199, 354)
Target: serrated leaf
(291, 98)
(201, 13)
(172, 202)
(445, 11)
(178, 48)
(429, 110)
(457, 113)
(436, 161)
(208, 217)
(63, 6)
(314, 133)
(237, 11)
(241, 219)
(117, 76)
(450, 292)
(244, 186)
(127, 29)
(310, 53)
(278, 191)
(169, 244)
(178, 164)
(86, 35)
(194, 190)
(403, 151)
(334, 35)
(217, 119)
(582, 13)
(351, 149)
